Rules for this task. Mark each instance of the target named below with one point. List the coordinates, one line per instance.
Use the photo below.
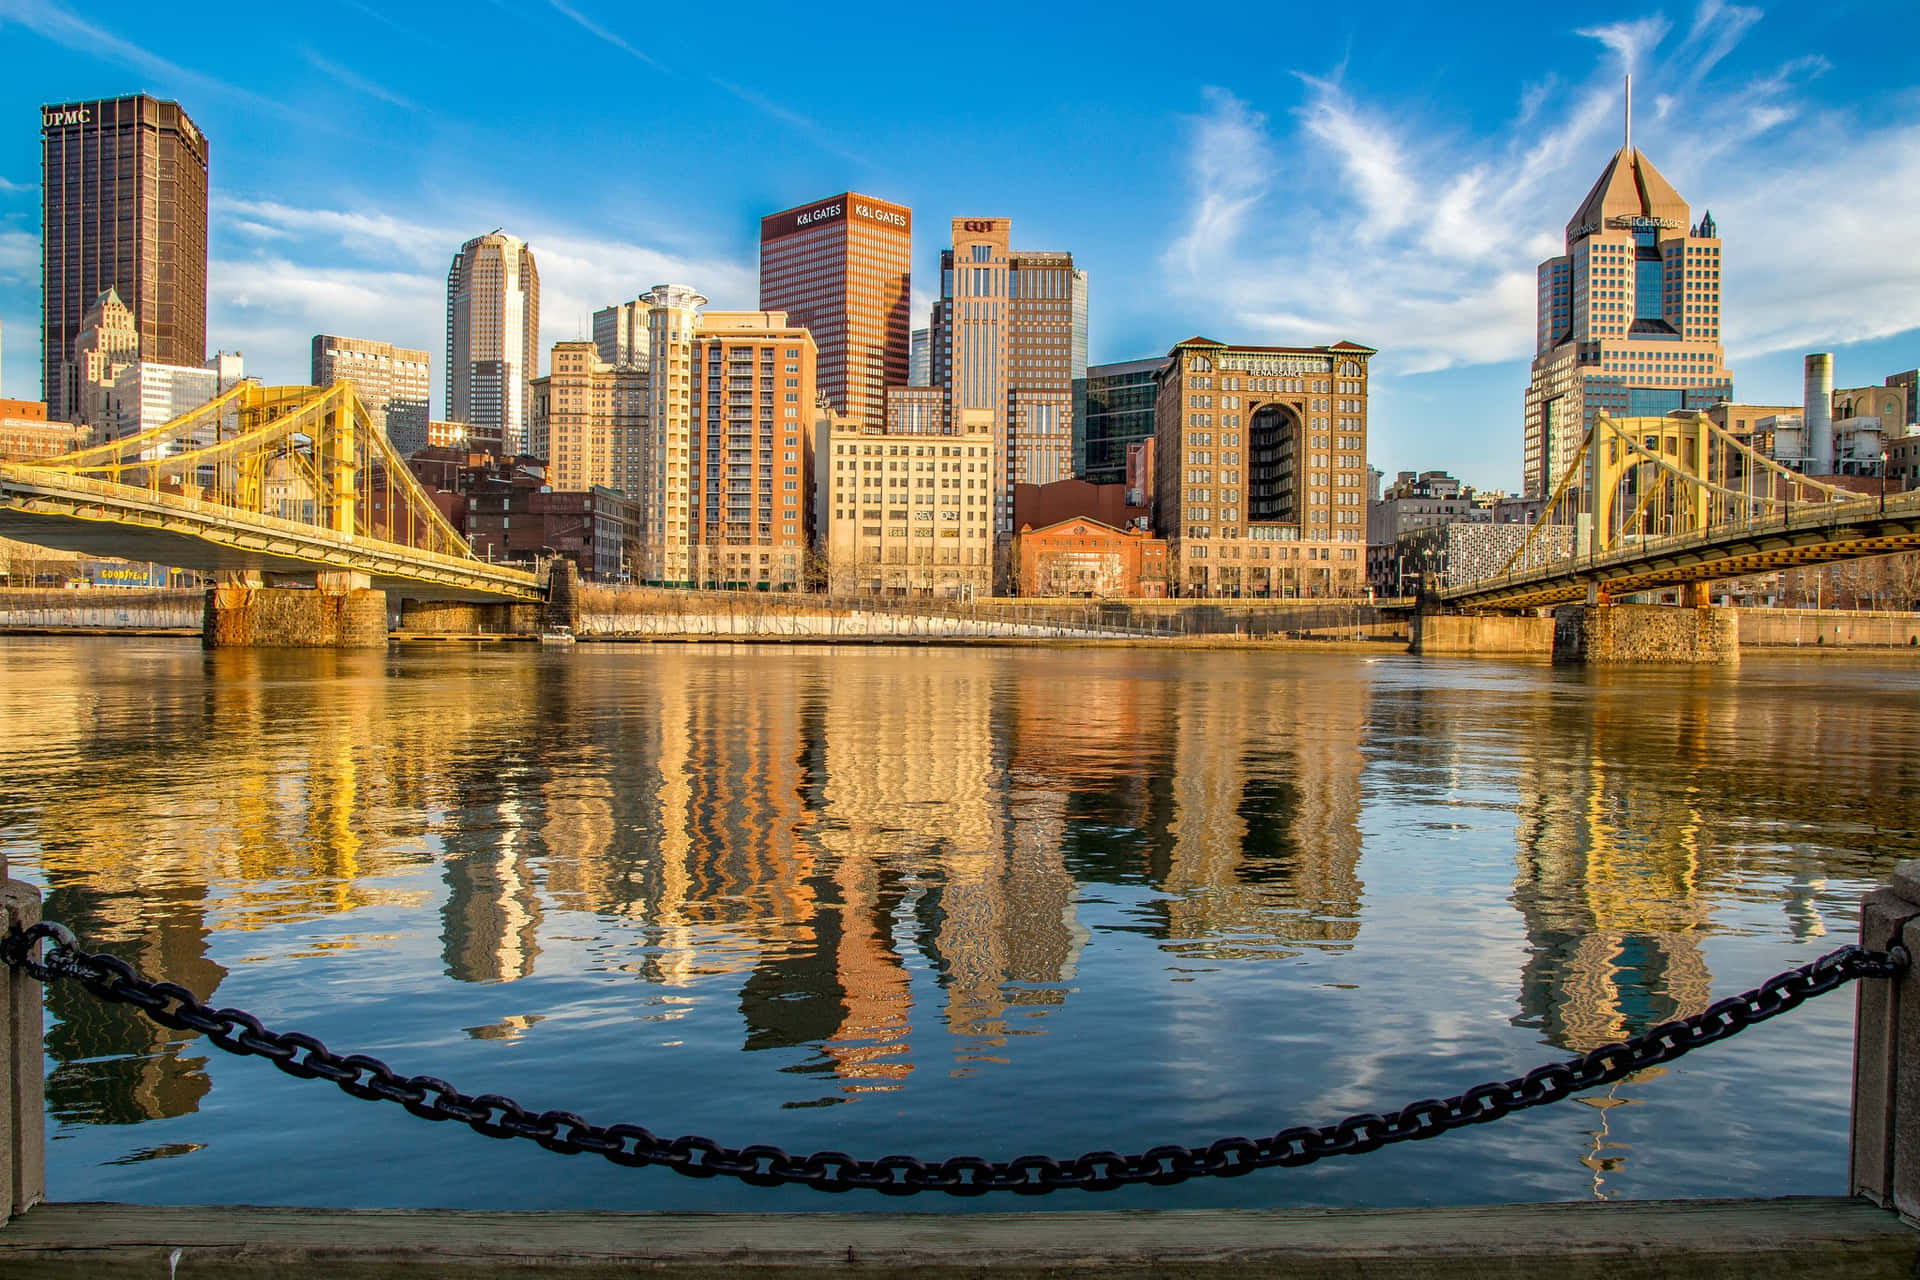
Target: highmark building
(1629, 317)
(1260, 469)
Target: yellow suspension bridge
(287, 482)
(1649, 503)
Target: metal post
(1884, 1163)
(23, 1141)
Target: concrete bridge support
(331, 610)
(463, 618)
(1612, 634)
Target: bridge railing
(214, 514)
(1582, 565)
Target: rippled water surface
(944, 901)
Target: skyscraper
(493, 336)
(727, 464)
(123, 190)
(919, 362)
(1628, 316)
(840, 268)
(673, 310)
(1006, 348)
(620, 334)
(393, 383)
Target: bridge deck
(99, 518)
(1819, 534)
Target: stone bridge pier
(1613, 634)
(326, 609)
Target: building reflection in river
(814, 828)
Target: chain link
(297, 1054)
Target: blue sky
(1389, 174)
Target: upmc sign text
(60, 119)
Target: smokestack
(1817, 414)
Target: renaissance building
(123, 201)
(1628, 317)
(1260, 468)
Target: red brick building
(1080, 556)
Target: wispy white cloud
(20, 258)
(1630, 42)
(1232, 169)
(385, 278)
(67, 29)
(16, 187)
(357, 82)
(801, 124)
(1347, 220)
(600, 32)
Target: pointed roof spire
(1629, 145)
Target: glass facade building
(1120, 399)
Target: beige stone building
(572, 422)
(908, 514)
(392, 382)
(109, 341)
(1260, 463)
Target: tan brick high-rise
(728, 458)
(840, 268)
(1260, 457)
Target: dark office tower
(123, 184)
(839, 269)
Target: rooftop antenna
(1629, 112)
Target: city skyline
(1442, 189)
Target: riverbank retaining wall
(637, 612)
(1489, 635)
(1828, 628)
(109, 609)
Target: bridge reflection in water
(896, 861)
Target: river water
(945, 901)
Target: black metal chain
(297, 1054)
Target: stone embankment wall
(1827, 628)
(606, 613)
(1644, 633)
(110, 609)
(1478, 636)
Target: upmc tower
(840, 268)
(123, 185)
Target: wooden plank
(1755, 1239)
